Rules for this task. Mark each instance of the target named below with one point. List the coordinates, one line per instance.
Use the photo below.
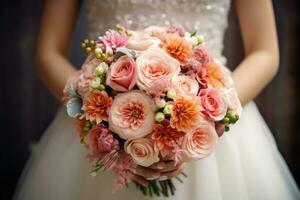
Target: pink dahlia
(113, 40)
(179, 30)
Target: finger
(169, 175)
(220, 128)
(149, 174)
(164, 166)
(140, 180)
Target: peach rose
(131, 115)
(141, 41)
(232, 100)
(142, 151)
(186, 85)
(122, 74)
(157, 31)
(212, 103)
(199, 142)
(154, 64)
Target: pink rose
(199, 142)
(101, 141)
(186, 85)
(122, 74)
(142, 151)
(155, 64)
(131, 115)
(232, 100)
(140, 41)
(213, 104)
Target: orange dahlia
(96, 106)
(177, 47)
(165, 137)
(186, 113)
(214, 75)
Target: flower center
(133, 114)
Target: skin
(261, 61)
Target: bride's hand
(168, 169)
(162, 171)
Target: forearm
(254, 73)
(54, 70)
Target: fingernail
(163, 178)
(152, 178)
(160, 166)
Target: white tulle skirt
(245, 165)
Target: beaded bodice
(208, 17)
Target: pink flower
(159, 87)
(179, 30)
(186, 85)
(155, 64)
(131, 115)
(141, 41)
(122, 74)
(232, 101)
(201, 55)
(123, 168)
(142, 151)
(113, 40)
(191, 66)
(87, 74)
(213, 104)
(199, 142)
(101, 141)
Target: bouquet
(146, 96)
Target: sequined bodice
(208, 17)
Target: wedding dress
(246, 164)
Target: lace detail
(208, 17)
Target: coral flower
(177, 47)
(166, 138)
(96, 105)
(186, 113)
(211, 74)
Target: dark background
(26, 108)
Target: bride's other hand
(143, 174)
(168, 169)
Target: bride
(246, 163)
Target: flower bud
(159, 105)
(168, 109)
(200, 39)
(226, 120)
(171, 94)
(194, 41)
(98, 50)
(95, 83)
(101, 87)
(159, 116)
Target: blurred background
(26, 107)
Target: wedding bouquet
(146, 96)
